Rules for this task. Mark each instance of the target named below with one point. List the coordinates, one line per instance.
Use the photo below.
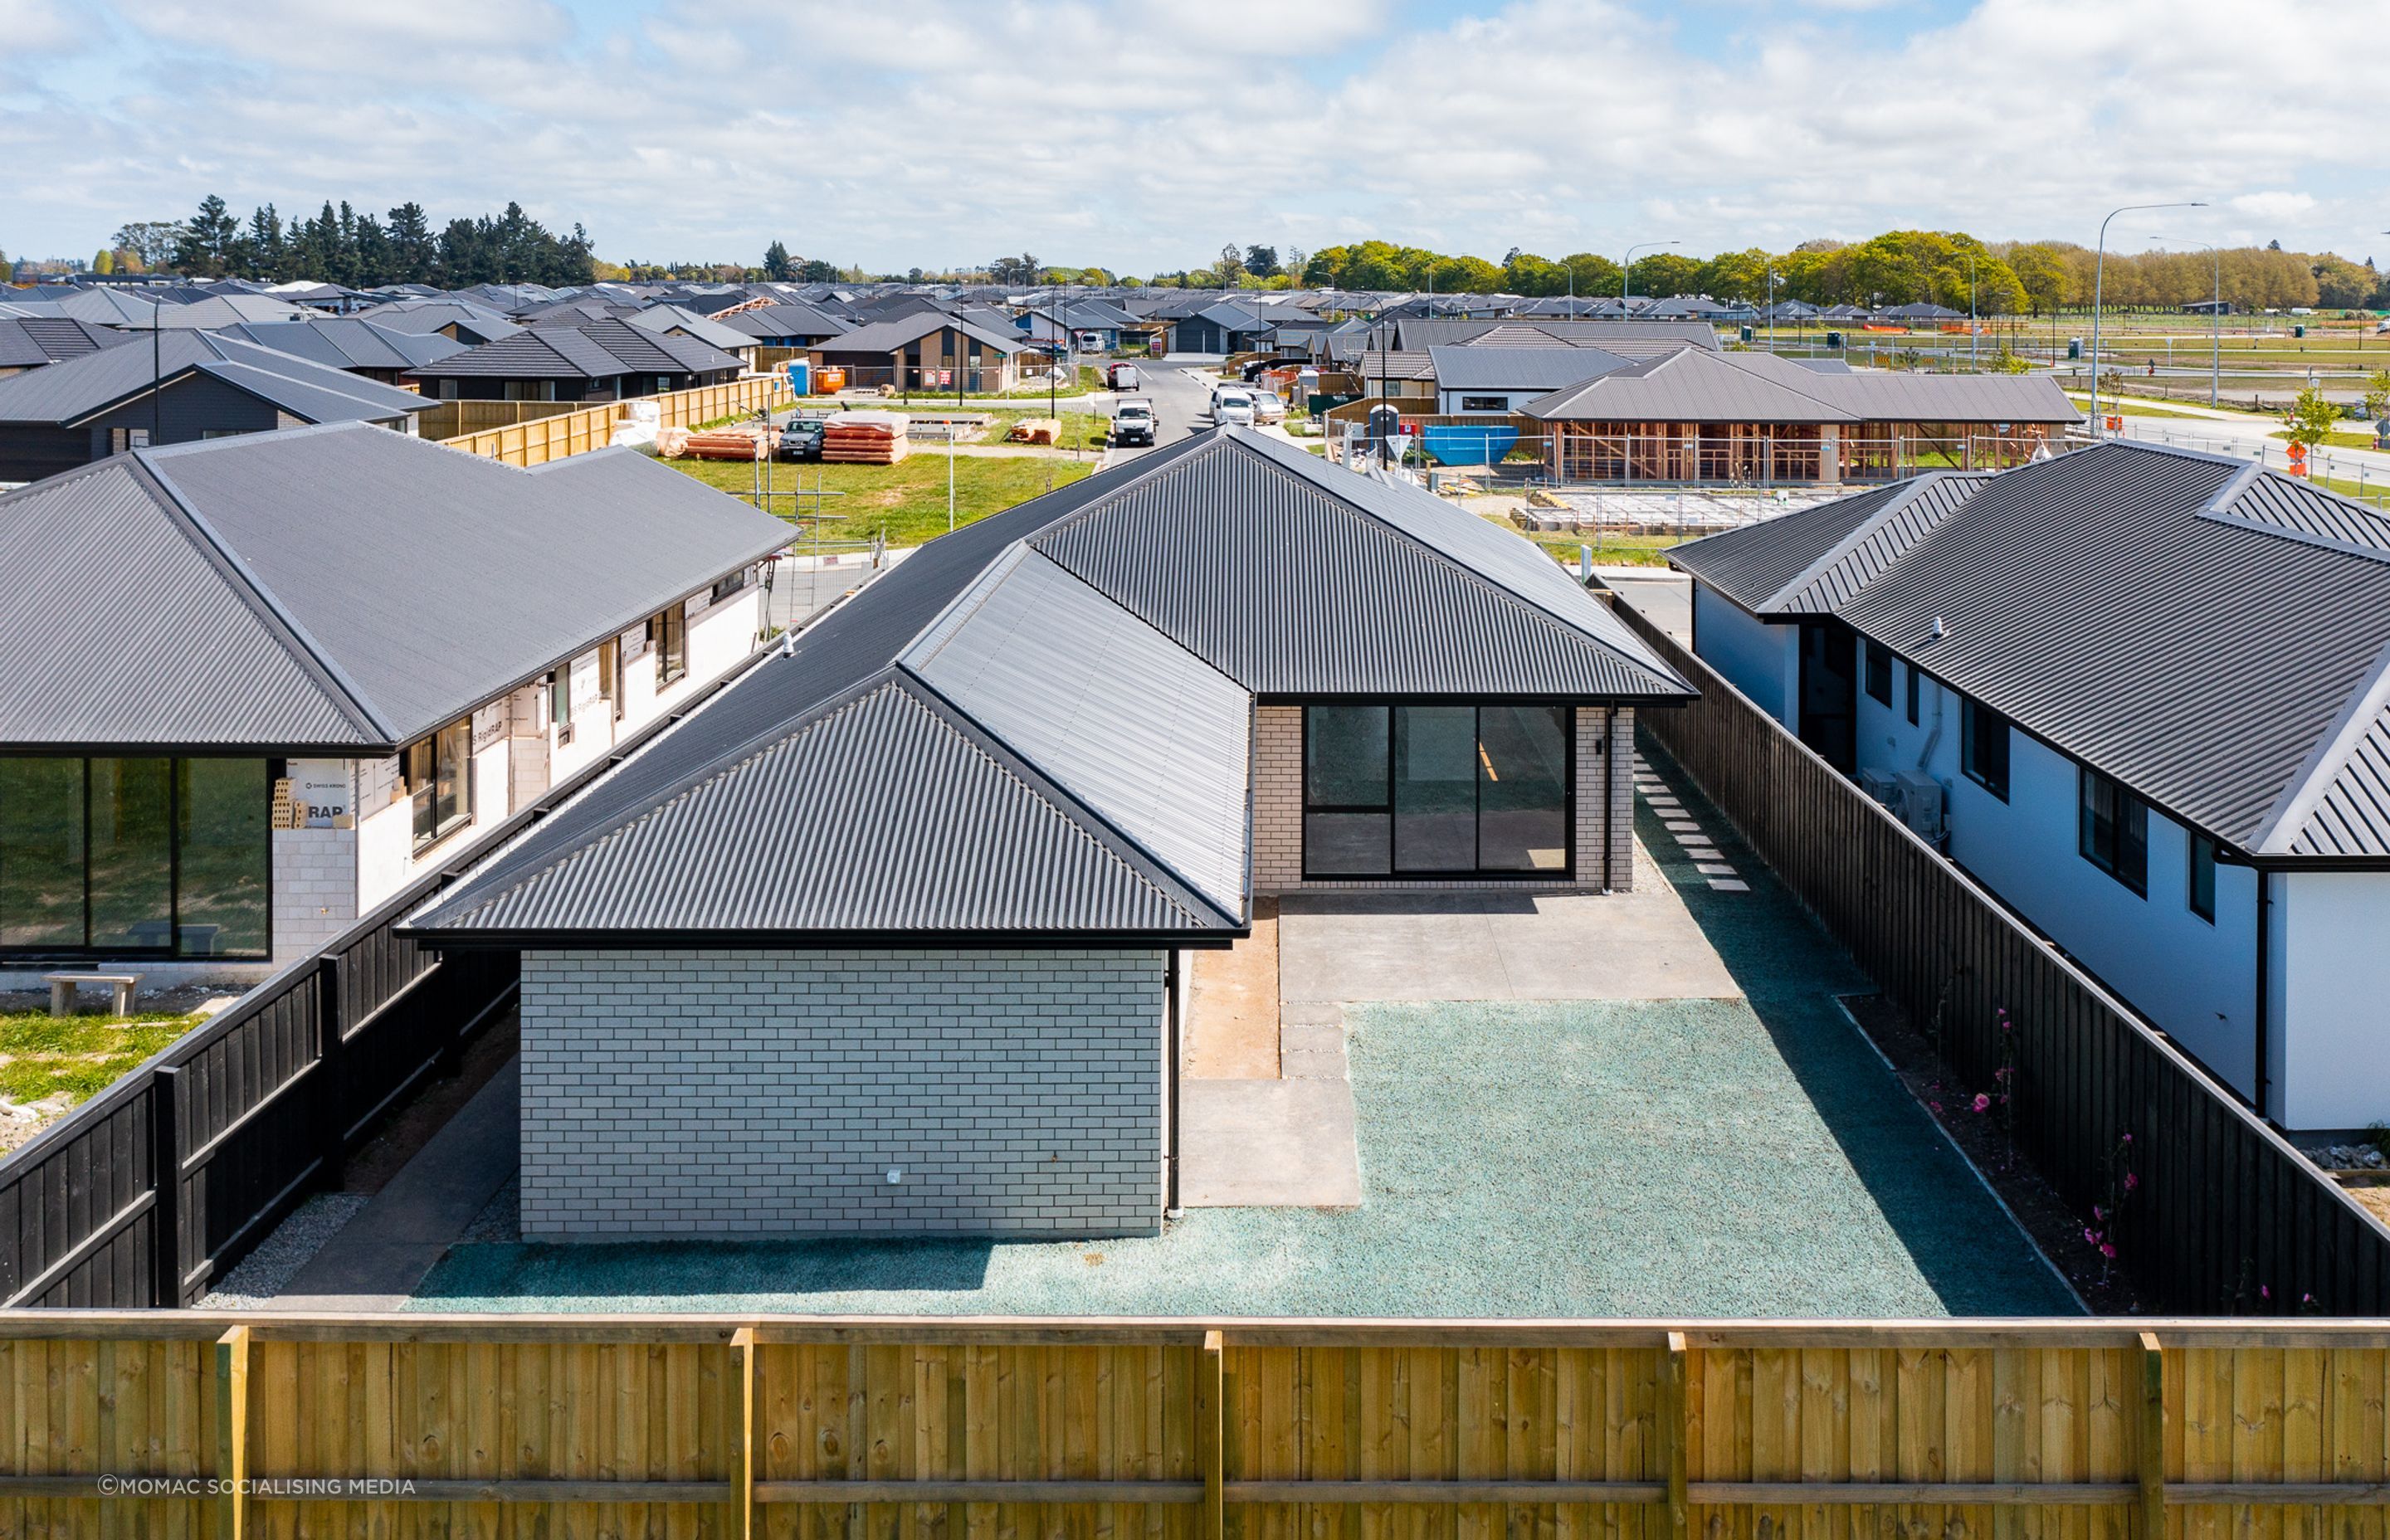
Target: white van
(1233, 404)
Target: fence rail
(151, 1190)
(2222, 1216)
(1187, 1430)
(539, 439)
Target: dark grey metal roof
(348, 342)
(895, 335)
(2175, 621)
(810, 838)
(785, 320)
(473, 323)
(1099, 647)
(1908, 396)
(75, 390)
(161, 644)
(408, 582)
(29, 342)
(1143, 731)
(1814, 559)
(1529, 368)
(703, 328)
(1691, 386)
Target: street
(1180, 399)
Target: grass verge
(906, 502)
(44, 1057)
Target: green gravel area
(1681, 1158)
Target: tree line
(1898, 267)
(340, 245)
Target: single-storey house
(349, 342)
(1699, 416)
(609, 360)
(454, 319)
(265, 683)
(178, 386)
(785, 326)
(1219, 328)
(927, 350)
(671, 320)
(2143, 695)
(1472, 381)
(885, 939)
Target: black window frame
(663, 627)
(1565, 872)
(2121, 849)
(735, 583)
(1980, 745)
(1484, 404)
(2203, 860)
(1914, 688)
(1876, 668)
(171, 950)
(421, 840)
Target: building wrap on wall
(772, 1092)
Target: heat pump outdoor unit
(1878, 784)
(1918, 801)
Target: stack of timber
(865, 438)
(1036, 431)
(729, 444)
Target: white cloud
(1142, 136)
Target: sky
(1143, 135)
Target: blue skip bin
(1466, 443)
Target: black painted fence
(2223, 1216)
(218, 1138)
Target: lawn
(906, 502)
(43, 1056)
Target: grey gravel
(2348, 1157)
(267, 1270)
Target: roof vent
(1940, 630)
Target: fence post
(331, 1040)
(232, 1432)
(1673, 1434)
(742, 1381)
(1208, 1439)
(2151, 1446)
(165, 1190)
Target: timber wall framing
(231, 1426)
(2225, 1217)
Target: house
(2144, 696)
(1096, 324)
(609, 359)
(300, 670)
(1219, 327)
(1470, 379)
(885, 939)
(785, 326)
(177, 386)
(469, 323)
(1921, 314)
(32, 341)
(671, 320)
(1694, 415)
(927, 350)
(349, 342)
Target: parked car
(1268, 407)
(1233, 405)
(801, 438)
(1134, 422)
(1123, 376)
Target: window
(610, 670)
(668, 633)
(1984, 747)
(438, 775)
(2202, 876)
(1423, 790)
(729, 586)
(559, 702)
(153, 856)
(121, 438)
(1879, 672)
(1913, 694)
(1484, 404)
(2113, 826)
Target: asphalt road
(1180, 400)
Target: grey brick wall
(767, 1094)
(315, 889)
(1277, 808)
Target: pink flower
(1983, 1102)
(2099, 1213)
(1935, 1104)
(2128, 1138)
(2306, 1299)
(2264, 1292)
(2131, 1181)
(2109, 1251)
(2002, 1073)
(2090, 1238)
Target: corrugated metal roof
(159, 644)
(533, 352)
(434, 579)
(29, 342)
(2178, 622)
(1102, 643)
(1907, 397)
(703, 328)
(69, 392)
(786, 320)
(886, 812)
(1755, 566)
(1550, 367)
(1692, 386)
(1140, 729)
(348, 342)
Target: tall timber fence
(876, 1430)
(2221, 1214)
(154, 1188)
(556, 434)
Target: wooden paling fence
(2221, 1216)
(577, 432)
(431, 1425)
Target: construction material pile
(671, 443)
(864, 438)
(745, 442)
(1036, 431)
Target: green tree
(776, 262)
(413, 251)
(2310, 418)
(152, 240)
(205, 246)
(1262, 260)
(105, 262)
(2377, 394)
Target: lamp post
(1974, 366)
(2215, 321)
(1626, 269)
(2098, 293)
(1771, 308)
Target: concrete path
(1279, 1144)
(380, 1258)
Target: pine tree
(776, 260)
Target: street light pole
(1973, 365)
(1771, 308)
(1626, 269)
(2099, 293)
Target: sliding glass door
(1437, 790)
